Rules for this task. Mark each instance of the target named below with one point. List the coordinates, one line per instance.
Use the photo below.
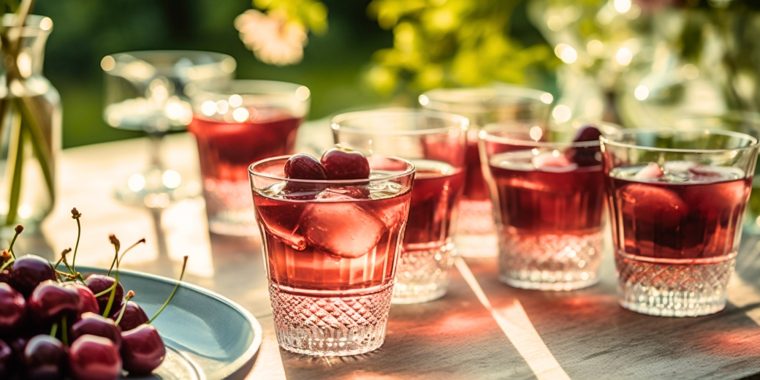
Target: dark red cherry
(588, 155)
(345, 164)
(98, 283)
(28, 271)
(98, 325)
(50, 301)
(5, 276)
(304, 166)
(142, 350)
(87, 301)
(44, 358)
(94, 358)
(6, 360)
(134, 316)
(12, 306)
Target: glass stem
(155, 140)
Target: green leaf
(15, 166)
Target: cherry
(28, 271)
(98, 283)
(44, 358)
(98, 325)
(5, 276)
(12, 306)
(6, 360)
(133, 316)
(589, 155)
(50, 301)
(87, 300)
(142, 350)
(304, 166)
(94, 358)
(345, 164)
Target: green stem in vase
(15, 165)
(39, 145)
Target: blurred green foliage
(359, 61)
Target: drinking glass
(676, 200)
(548, 195)
(476, 234)
(146, 91)
(235, 124)
(435, 143)
(331, 248)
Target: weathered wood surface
(481, 329)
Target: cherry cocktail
(676, 217)
(331, 231)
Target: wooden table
(481, 329)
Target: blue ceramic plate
(207, 335)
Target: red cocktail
(331, 247)
(676, 211)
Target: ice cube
(344, 193)
(553, 161)
(343, 229)
(649, 172)
(652, 204)
(282, 223)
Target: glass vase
(30, 125)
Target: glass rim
(111, 64)
(409, 170)
(605, 140)
(497, 94)
(461, 122)
(240, 86)
(485, 134)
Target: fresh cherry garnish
(98, 325)
(50, 301)
(12, 306)
(142, 350)
(87, 300)
(6, 360)
(44, 358)
(133, 316)
(98, 283)
(304, 166)
(28, 271)
(345, 164)
(94, 358)
(588, 155)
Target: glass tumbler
(331, 248)
(475, 235)
(235, 124)
(435, 143)
(548, 197)
(676, 200)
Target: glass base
(229, 207)
(330, 325)
(549, 261)
(154, 188)
(422, 275)
(673, 287)
(476, 234)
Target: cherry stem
(18, 230)
(135, 244)
(54, 330)
(7, 263)
(64, 334)
(76, 215)
(174, 291)
(128, 297)
(112, 296)
(116, 245)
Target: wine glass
(146, 91)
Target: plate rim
(249, 354)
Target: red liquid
(475, 185)
(225, 149)
(340, 243)
(697, 217)
(566, 200)
(437, 187)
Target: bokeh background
(339, 65)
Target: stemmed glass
(146, 91)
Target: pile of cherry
(56, 322)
